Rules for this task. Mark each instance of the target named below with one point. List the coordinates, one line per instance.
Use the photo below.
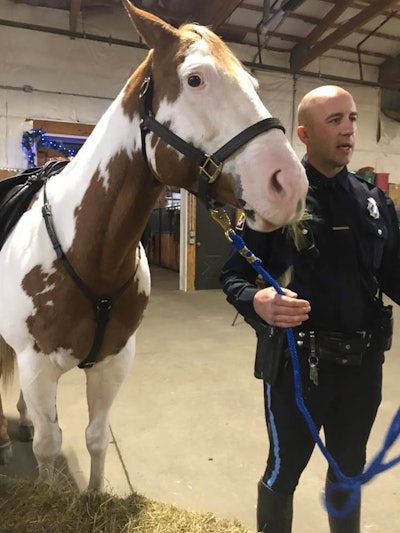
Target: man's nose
(350, 127)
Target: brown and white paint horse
(100, 203)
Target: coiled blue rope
(377, 465)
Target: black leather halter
(209, 166)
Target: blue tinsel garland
(38, 136)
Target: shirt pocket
(373, 243)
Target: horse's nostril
(275, 182)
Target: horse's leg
(39, 379)
(7, 355)
(25, 428)
(103, 382)
(5, 443)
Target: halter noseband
(209, 166)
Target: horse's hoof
(5, 453)
(25, 433)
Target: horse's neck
(102, 200)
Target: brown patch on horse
(174, 171)
(109, 224)
(168, 46)
(130, 99)
(115, 218)
(183, 173)
(161, 65)
(68, 323)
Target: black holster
(270, 356)
(385, 327)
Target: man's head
(327, 118)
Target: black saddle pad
(16, 194)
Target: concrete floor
(188, 424)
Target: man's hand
(283, 311)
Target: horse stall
(187, 424)
(161, 237)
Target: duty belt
(345, 349)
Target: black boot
(350, 523)
(274, 511)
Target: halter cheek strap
(209, 166)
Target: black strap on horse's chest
(16, 193)
(102, 305)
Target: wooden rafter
(178, 9)
(362, 31)
(324, 37)
(303, 55)
(292, 39)
(211, 13)
(308, 18)
(214, 13)
(327, 21)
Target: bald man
(327, 120)
(347, 256)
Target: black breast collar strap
(209, 166)
(101, 305)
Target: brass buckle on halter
(215, 169)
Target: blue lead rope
(377, 465)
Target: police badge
(373, 207)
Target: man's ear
(302, 134)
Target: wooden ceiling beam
(234, 28)
(327, 21)
(214, 12)
(316, 21)
(307, 18)
(303, 55)
(211, 13)
(182, 9)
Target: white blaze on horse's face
(217, 100)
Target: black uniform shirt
(351, 249)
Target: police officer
(345, 252)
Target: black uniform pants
(344, 404)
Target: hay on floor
(28, 507)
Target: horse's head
(198, 90)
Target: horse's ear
(154, 31)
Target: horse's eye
(194, 80)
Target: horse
(74, 279)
